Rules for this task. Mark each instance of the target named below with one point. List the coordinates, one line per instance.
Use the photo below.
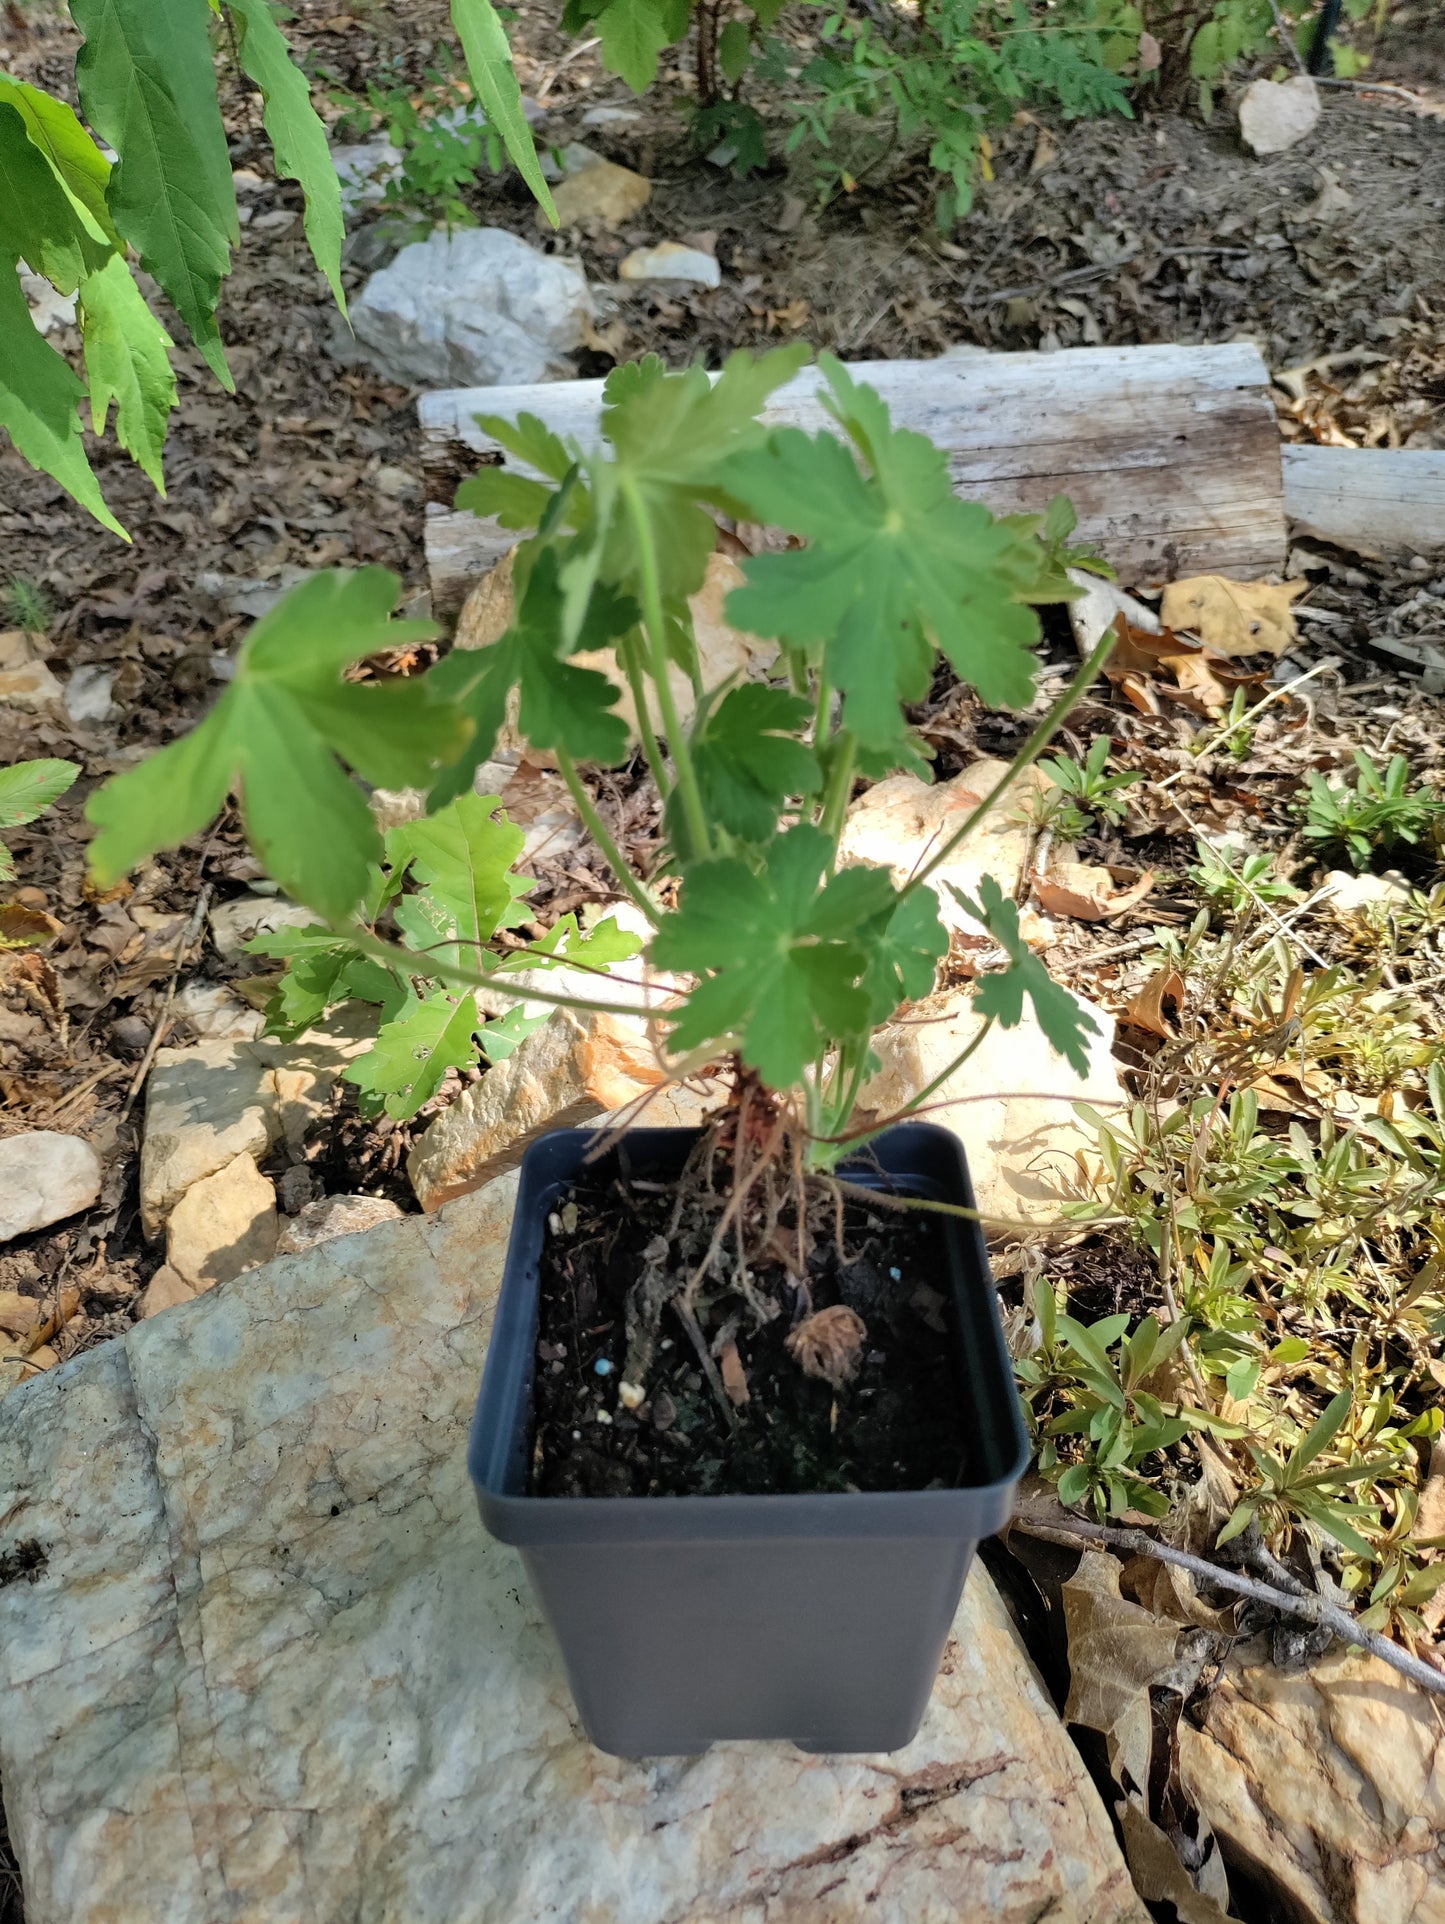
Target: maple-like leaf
(1001, 994)
(895, 565)
(749, 761)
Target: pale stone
(602, 192)
(18, 1314)
(723, 651)
(577, 1066)
(331, 1216)
(88, 693)
(44, 1177)
(476, 307)
(308, 1069)
(204, 1107)
(365, 170)
(164, 1290)
(671, 261)
(30, 687)
(1329, 1783)
(234, 924)
(1275, 114)
(274, 1670)
(1356, 896)
(901, 823)
(215, 1015)
(223, 1225)
(1010, 1105)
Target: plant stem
(915, 1102)
(494, 983)
(1032, 748)
(1297, 1602)
(601, 835)
(840, 783)
(655, 623)
(1019, 1223)
(651, 747)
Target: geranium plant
(795, 962)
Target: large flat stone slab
(273, 1672)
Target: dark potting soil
(897, 1425)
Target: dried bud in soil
(829, 1344)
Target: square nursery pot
(687, 1620)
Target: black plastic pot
(686, 1620)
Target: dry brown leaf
(1118, 1652)
(18, 1314)
(1171, 1592)
(734, 1376)
(1160, 1877)
(1234, 617)
(1145, 665)
(829, 1344)
(22, 928)
(1146, 1009)
(1087, 892)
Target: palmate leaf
(562, 705)
(322, 969)
(749, 761)
(635, 32)
(40, 402)
(298, 137)
(127, 357)
(780, 956)
(489, 62)
(283, 729)
(1001, 994)
(895, 565)
(148, 86)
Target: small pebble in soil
(603, 1417)
(602, 1367)
(554, 1224)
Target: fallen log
(1171, 455)
(1376, 500)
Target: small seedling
(1372, 815)
(1234, 887)
(1078, 793)
(27, 606)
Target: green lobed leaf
(322, 969)
(282, 730)
(489, 62)
(127, 358)
(1001, 995)
(463, 857)
(749, 761)
(634, 33)
(40, 400)
(892, 553)
(148, 87)
(405, 1066)
(298, 137)
(778, 971)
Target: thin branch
(494, 983)
(1032, 748)
(1297, 1603)
(860, 1192)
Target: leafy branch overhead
(146, 78)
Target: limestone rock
(31, 687)
(204, 1107)
(164, 1290)
(234, 924)
(900, 823)
(1274, 114)
(215, 1015)
(602, 192)
(1010, 1105)
(671, 261)
(273, 1670)
(474, 308)
(18, 1314)
(44, 1177)
(1355, 896)
(365, 169)
(1329, 1783)
(88, 693)
(222, 1225)
(332, 1216)
(575, 1067)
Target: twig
(1297, 1603)
(861, 1193)
(1226, 728)
(163, 1020)
(1287, 38)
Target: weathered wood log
(1389, 500)
(1170, 455)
